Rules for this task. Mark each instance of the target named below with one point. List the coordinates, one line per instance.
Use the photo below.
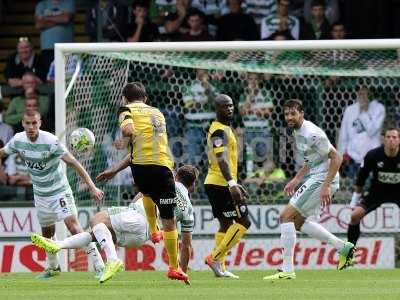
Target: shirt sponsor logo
(167, 200)
(380, 164)
(387, 177)
(35, 165)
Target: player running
(128, 227)
(384, 164)
(42, 152)
(321, 165)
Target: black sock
(353, 233)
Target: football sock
(79, 240)
(288, 240)
(353, 233)
(318, 232)
(231, 238)
(151, 213)
(94, 257)
(104, 238)
(52, 260)
(171, 244)
(219, 236)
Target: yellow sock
(219, 236)
(231, 238)
(151, 213)
(171, 244)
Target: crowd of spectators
(30, 75)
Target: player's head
(391, 138)
(134, 91)
(224, 108)
(187, 175)
(31, 121)
(294, 113)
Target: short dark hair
(134, 91)
(294, 103)
(32, 114)
(195, 12)
(318, 3)
(140, 3)
(390, 127)
(187, 175)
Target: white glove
(355, 199)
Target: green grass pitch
(349, 284)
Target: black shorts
(371, 202)
(158, 183)
(222, 203)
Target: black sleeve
(219, 138)
(9, 71)
(365, 169)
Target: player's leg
(353, 231)
(142, 176)
(224, 224)
(47, 220)
(151, 215)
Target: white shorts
(56, 208)
(130, 227)
(306, 199)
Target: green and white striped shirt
(42, 159)
(183, 210)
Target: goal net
(182, 80)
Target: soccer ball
(82, 140)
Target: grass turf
(349, 284)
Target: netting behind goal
(183, 85)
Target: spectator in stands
(318, 28)
(212, 9)
(280, 22)
(17, 105)
(22, 61)
(16, 171)
(6, 131)
(112, 16)
(237, 25)
(338, 31)
(176, 21)
(54, 19)
(197, 27)
(3, 174)
(332, 12)
(198, 99)
(255, 107)
(360, 131)
(260, 9)
(141, 29)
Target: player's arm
(363, 173)
(290, 187)
(334, 166)
(219, 143)
(186, 250)
(70, 160)
(126, 122)
(110, 173)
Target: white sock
(317, 231)
(52, 260)
(288, 240)
(104, 238)
(94, 257)
(79, 240)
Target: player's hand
(290, 187)
(238, 194)
(325, 195)
(355, 199)
(97, 194)
(106, 175)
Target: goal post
(181, 79)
